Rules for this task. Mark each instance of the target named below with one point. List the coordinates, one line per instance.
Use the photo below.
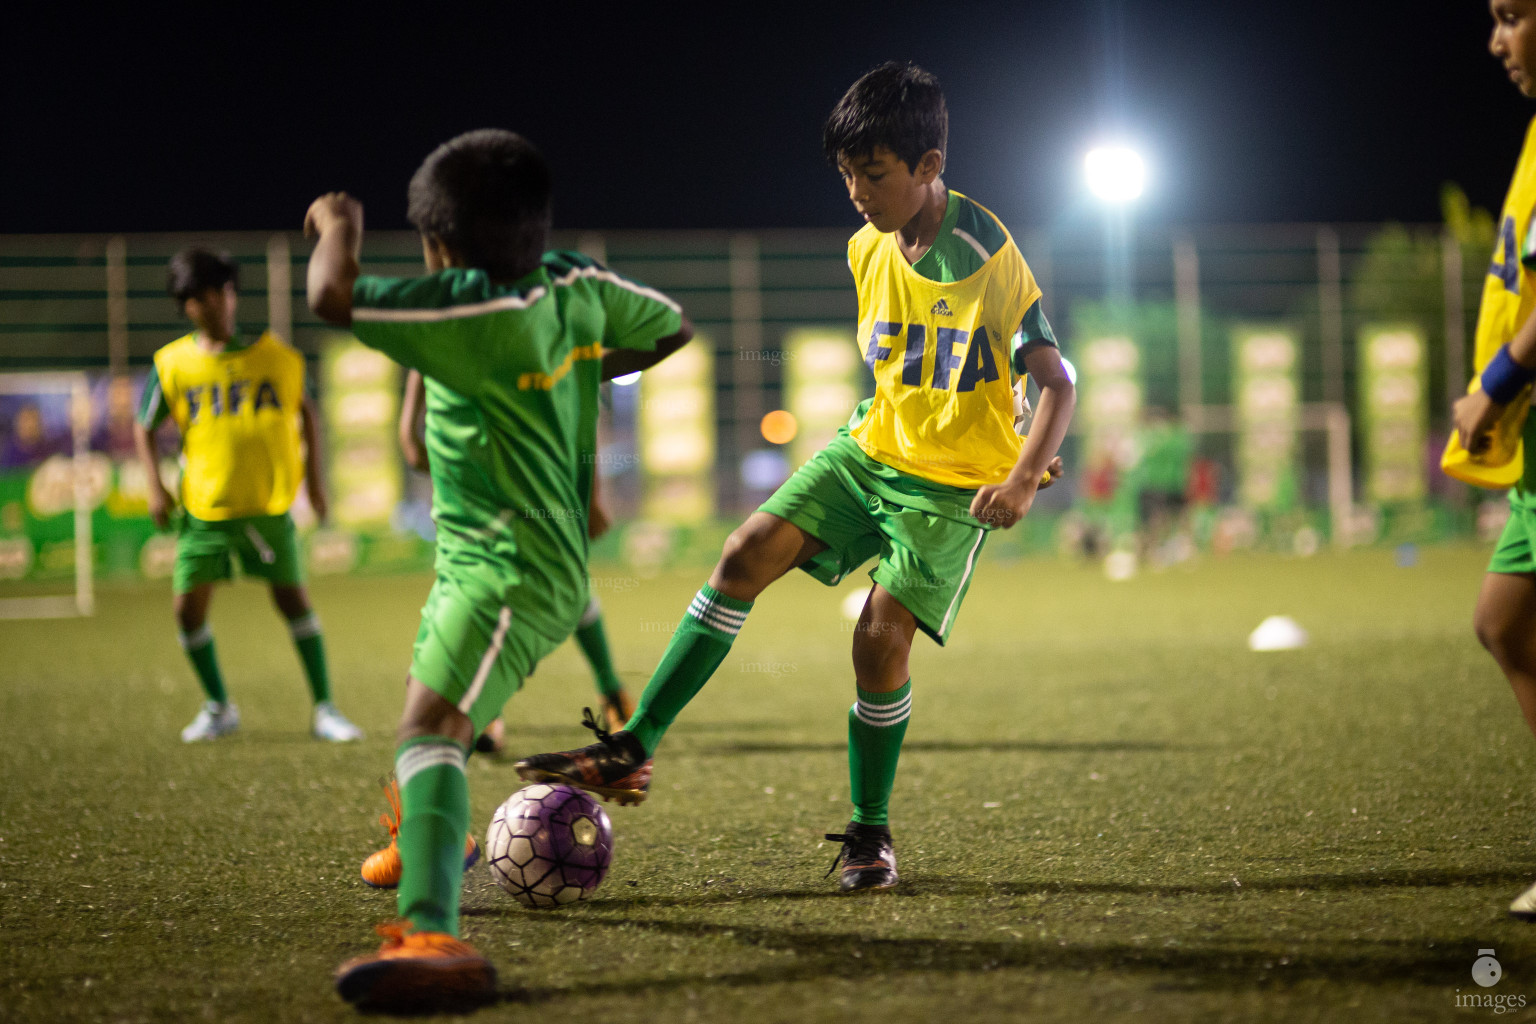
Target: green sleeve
(636, 316)
(1034, 332)
(409, 319)
(153, 408)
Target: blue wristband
(1503, 378)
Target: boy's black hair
(898, 106)
(487, 196)
(194, 270)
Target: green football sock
(877, 723)
(205, 662)
(434, 815)
(594, 644)
(701, 642)
(305, 631)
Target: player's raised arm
(336, 220)
(620, 361)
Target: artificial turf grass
(1180, 825)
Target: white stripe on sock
(304, 627)
(414, 760)
(200, 637)
(703, 603)
(592, 614)
(711, 613)
(882, 715)
(709, 618)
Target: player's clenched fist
(1002, 505)
(330, 209)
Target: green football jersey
(512, 374)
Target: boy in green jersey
(591, 636)
(916, 480)
(512, 342)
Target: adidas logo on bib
(941, 308)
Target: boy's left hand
(1002, 505)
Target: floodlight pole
(1330, 312)
(1186, 291)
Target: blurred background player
(591, 637)
(950, 317)
(512, 343)
(1505, 618)
(240, 406)
(1160, 480)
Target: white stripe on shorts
(488, 661)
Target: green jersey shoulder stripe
(509, 302)
(152, 407)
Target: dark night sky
(657, 116)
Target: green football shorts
(267, 547)
(1516, 550)
(922, 533)
(479, 640)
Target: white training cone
(1277, 633)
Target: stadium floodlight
(1116, 174)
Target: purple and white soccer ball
(549, 845)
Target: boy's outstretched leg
(423, 964)
(218, 717)
(1505, 622)
(764, 548)
(877, 724)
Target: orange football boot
(415, 971)
(382, 868)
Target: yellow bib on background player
(1509, 297)
(941, 354)
(238, 413)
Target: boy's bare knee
(880, 653)
(1493, 633)
(755, 555)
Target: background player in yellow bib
(949, 318)
(240, 406)
(1505, 619)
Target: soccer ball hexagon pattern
(549, 845)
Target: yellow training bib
(238, 412)
(941, 355)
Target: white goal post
(83, 601)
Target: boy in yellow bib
(949, 321)
(239, 405)
(1505, 618)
